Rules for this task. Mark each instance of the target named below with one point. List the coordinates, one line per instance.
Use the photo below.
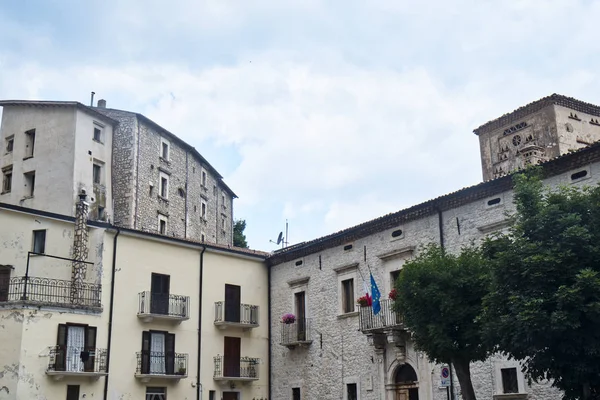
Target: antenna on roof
(92, 99)
(281, 240)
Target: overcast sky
(327, 113)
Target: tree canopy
(239, 239)
(544, 301)
(440, 296)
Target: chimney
(101, 103)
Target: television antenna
(281, 240)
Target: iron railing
(164, 304)
(299, 331)
(246, 314)
(51, 291)
(77, 359)
(157, 363)
(233, 367)
(385, 319)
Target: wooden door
(90, 349)
(159, 294)
(300, 298)
(231, 358)
(230, 396)
(232, 303)
(4, 283)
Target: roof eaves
(45, 103)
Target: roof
(520, 113)
(446, 202)
(175, 138)
(42, 103)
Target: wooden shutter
(232, 303)
(231, 356)
(90, 347)
(60, 359)
(170, 353)
(145, 359)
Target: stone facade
(196, 205)
(535, 133)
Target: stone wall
(340, 353)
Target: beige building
(140, 316)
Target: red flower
(393, 294)
(365, 301)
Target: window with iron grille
(156, 393)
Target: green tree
(544, 301)
(440, 296)
(239, 239)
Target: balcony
(387, 319)
(235, 316)
(51, 292)
(153, 365)
(242, 369)
(162, 306)
(69, 361)
(297, 333)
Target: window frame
(29, 141)
(510, 377)
(100, 166)
(100, 128)
(344, 273)
(9, 141)
(165, 144)
(203, 209)
(348, 294)
(203, 178)
(29, 181)
(7, 178)
(163, 219)
(163, 189)
(36, 235)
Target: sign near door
(445, 376)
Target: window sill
(7, 192)
(164, 160)
(163, 199)
(28, 197)
(98, 141)
(348, 315)
(27, 158)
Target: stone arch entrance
(406, 383)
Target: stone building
(335, 349)
(141, 175)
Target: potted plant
(181, 370)
(365, 301)
(393, 294)
(288, 318)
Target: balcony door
(159, 294)
(75, 348)
(4, 283)
(231, 358)
(158, 353)
(232, 303)
(300, 300)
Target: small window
(298, 263)
(509, 380)
(296, 394)
(162, 224)
(204, 178)
(351, 391)
(223, 199)
(29, 183)
(97, 173)
(211, 395)
(348, 295)
(164, 186)
(29, 143)
(156, 393)
(348, 247)
(72, 392)
(98, 133)
(151, 190)
(7, 180)
(10, 144)
(579, 175)
(223, 223)
(214, 190)
(39, 241)
(164, 150)
(202, 237)
(394, 275)
(101, 213)
(181, 192)
(397, 233)
(495, 201)
(203, 210)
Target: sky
(323, 113)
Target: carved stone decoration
(80, 249)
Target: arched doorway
(406, 382)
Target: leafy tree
(239, 239)
(440, 296)
(544, 301)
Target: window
(158, 353)
(4, 282)
(98, 133)
(211, 395)
(164, 149)
(151, 189)
(156, 393)
(181, 192)
(214, 190)
(509, 380)
(72, 392)
(162, 224)
(223, 199)
(351, 391)
(29, 143)
(203, 210)
(10, 143)
(203, 178)
(164, 186)
(394, 275)
(223, 223)
(7, 180)
(348, 295)
(39, 241)
(97, 173)
(203, 236)
(29, 183)
(101, 213)
(75, 348)
(296, 394)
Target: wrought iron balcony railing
(56, 292)
(167, 364)
(234, 368)
(387, 318)
(244, 315)
(296, 333)
(76, 360)
(161, 305)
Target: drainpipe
(441, 229)
(198, 384)
(110, 312)
(269, 328)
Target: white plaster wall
(582, 129)
(251, 275)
